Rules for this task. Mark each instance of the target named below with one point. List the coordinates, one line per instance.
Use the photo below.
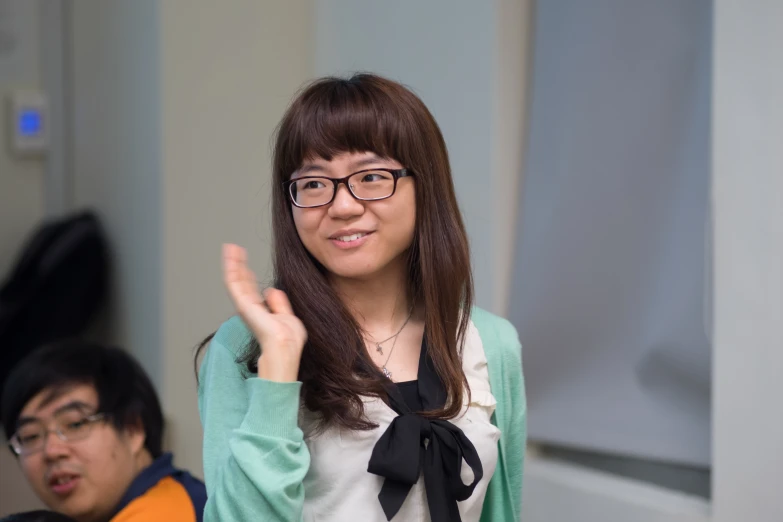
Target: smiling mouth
(352, 237)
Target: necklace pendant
(386, 372)
(378, 348)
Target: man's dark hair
(125, 392)
(37, 516)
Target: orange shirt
(162, 493)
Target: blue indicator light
(30, 122)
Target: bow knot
(413, 444)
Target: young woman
(364, 386)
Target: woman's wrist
(277, 370)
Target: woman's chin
(357, 274)
(365, 267)
(348, 270)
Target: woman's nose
(344, 204)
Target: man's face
(83, 478)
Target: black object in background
(37, 516)
(55, 287)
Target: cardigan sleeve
(255, 458)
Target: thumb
(277, 301)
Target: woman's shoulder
(498, 336)
(493, 326)
(233, 335)
(223, 352)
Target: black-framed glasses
(365, 185)
(69, 425)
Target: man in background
(37, 516)
(87, 428)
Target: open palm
(279, 332)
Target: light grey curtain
(610, 290)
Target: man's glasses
(69, 426)
(365, 185)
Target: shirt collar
(160, 468)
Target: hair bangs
(343, 116)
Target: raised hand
(279, 332)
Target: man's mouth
(63, 483)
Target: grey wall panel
(609, 292)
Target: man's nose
(54, 447)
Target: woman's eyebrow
(368, 160)
(309, 167)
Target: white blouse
(338, 486)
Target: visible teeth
(352, 237)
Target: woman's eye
(313, 184)
(372, 176)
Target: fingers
(242, 285)
(239, 279)
(277, 301)
(234, 260)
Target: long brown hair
(367, 113)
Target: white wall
(468, 62)
(173, 112)
(748, 209)
(22, 203)
(228, 75)
(15, 493)
(512, 62)
(21, 179)
(117, 158)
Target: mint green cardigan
(255, 458)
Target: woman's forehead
(343, 156)
(344, 161)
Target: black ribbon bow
(436, 447)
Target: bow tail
(443, 505)
(392, 495)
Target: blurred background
(618, 164)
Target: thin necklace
(385, 370)
(378, 344)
